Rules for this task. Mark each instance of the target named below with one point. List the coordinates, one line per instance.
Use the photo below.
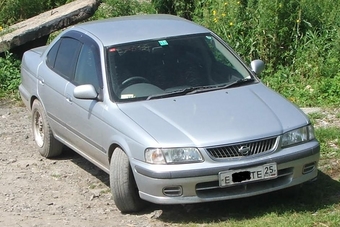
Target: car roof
(128, 29)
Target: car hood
(217, 117)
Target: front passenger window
(87, 70)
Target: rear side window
(52, 54)
(63, 56)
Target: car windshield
(168, 67)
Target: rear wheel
(123, 185)
(48, 146)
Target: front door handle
(41, 82)
(69, 99)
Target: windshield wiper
(238, 82)
(199, 89)
(178, 92)
(218, 87)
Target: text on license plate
(231, 177)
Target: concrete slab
(310, 110)
(44, 24)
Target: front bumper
(194, 183)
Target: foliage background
(299, 40)
(13, 11)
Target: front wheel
(123, 185)
(48, 146)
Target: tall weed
(298, 40)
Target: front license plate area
(232, 177)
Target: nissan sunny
(168, 110)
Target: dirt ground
(68, 191)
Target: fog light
(173, 191)
(309, 168)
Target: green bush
(183, 8)
(9, 74)
(115, 8)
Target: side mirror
(257, 66)
(86, 91)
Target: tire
(123, 184)
(48, 146)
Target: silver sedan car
(168, 110)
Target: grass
(316, 204)
(56, 175)
(316, 115)
(329, 141)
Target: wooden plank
(44, 24)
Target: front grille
(243, 149)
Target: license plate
(231, 177)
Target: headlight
(299, 135)
(172, 155)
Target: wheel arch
(118, 143)
(33, 98)
(123, 144)
(48, 145)
(112, 149)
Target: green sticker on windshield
(163, 42)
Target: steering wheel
(133, 80)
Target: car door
(85, 116)
(53, 76)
